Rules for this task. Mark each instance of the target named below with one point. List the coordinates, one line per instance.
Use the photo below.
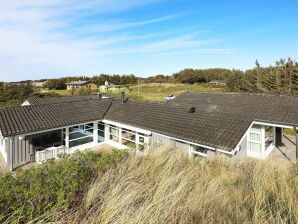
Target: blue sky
(54, 38)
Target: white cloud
(38, 37)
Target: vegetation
(115, 79)
(166, 187)
(157, 91)
(49, 189)
(280, 78)
(60, 83)
(162, 187)
(14, 94)
(57, 84)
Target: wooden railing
(49, 153)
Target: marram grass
(166, 187)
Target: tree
(57, 84)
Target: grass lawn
(157, 92)
(60, 92)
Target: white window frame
(261, 142)
(84, 129)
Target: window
(101, 132)
(80, 134)
(134, 140)
(143, 142)
(128, 135)
(255, 147)
(255, 128)
(114, 133)
(200, 149)
(141, 139)
(129, 138)
(255, 139)
(46, 140)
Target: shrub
(52, 187)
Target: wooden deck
(287, 151)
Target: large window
(134, 140)
(101, 132)
(129, 138)
(114, 133)
(80, 134)
(46, 140)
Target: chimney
(122, 96)
(192, 110)
(99, 96)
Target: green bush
(52, 187)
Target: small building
(80, 84)
(217, 83)
(112, 87)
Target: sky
(55, 38)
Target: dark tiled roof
(78, 82)
(220, 119)
(63, 99)
(265, 107)
(22, 120)
(214, 130)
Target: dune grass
(166, 187)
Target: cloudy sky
(53, 38)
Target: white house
(202, 124)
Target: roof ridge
(51, 97)
(40, 105)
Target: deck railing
(49, 153)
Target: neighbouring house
(38, 84)
(112, 87)
(203, 124)
(80, 84)
(217, 83)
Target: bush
(52, 187)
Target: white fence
(49, 153)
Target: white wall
(2, 149)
